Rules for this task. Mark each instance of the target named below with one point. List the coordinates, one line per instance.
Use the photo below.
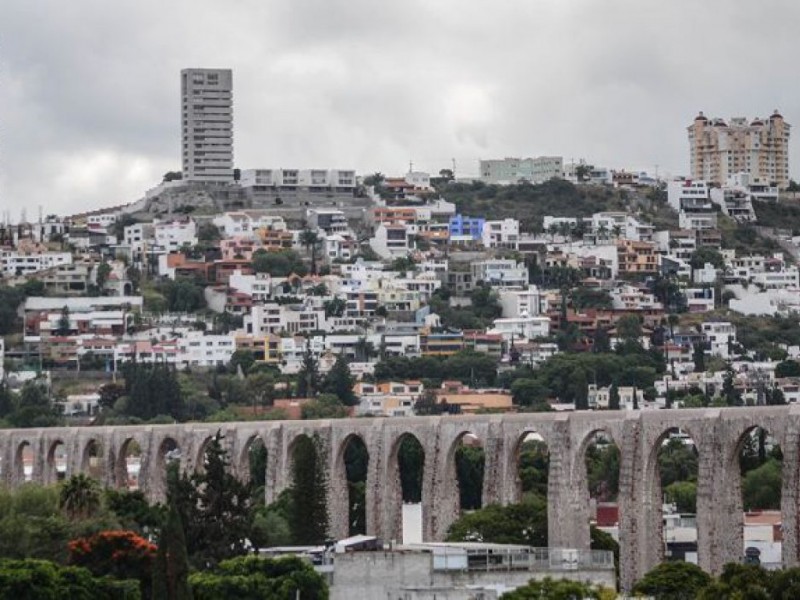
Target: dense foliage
(253, 578)
(530, 203)
(559, 589)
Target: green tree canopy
(674, 580)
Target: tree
(152, 390)
(334, 307)
(706, 254)
(79, 497)
(43, 580)
(602, 342)
(103, 271)
(182, 295)
(171, 566)
(761, 487)
(683, 494)
(243, 359)
(524, 523)
(675, 580)
(63, 327)
(731, 395)
(559, 589)
(741, 582)
(470, 463)
(310, 241)
(208, 232)
(308, 515)
(529, 392)
(581, 386)
(613, 397)
(787, 368)
(325, 406)
(629, 328)
(223, 508)
(280, 263)
(699, 358)
(253, 577)
(308, 376)
(261, 386)
(119, 554)
(339, 382)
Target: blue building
(461, 225)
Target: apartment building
(338, 180)
(636, 258)
(13, 263)
(514, 170)
(501, 234)
(207, 124)
(760, 147)
(500, 273)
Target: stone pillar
(338, 494)
(148, 464)
(561, 521)
(444, 484)
(376, 481)
(391, 503)
(717, 473)
(581, 498)
(789, 497)
(6, 460)
(494, 451)
(276, 464)
(632, 515)
(428, 489)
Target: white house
(519, 328)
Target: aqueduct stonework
(718, 435)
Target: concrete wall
(370, 574)
(717, 433)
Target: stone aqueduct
(718, 435)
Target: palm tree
(364, 349)
(602, 231)
(310, 240)
(617, 231)
(79, 497)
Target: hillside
(530, 203)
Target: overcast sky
(90, 95)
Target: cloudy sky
(89, 89)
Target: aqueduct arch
(717, 434)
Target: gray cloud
(89, 90)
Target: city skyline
(89, 98)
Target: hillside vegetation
(530, 203)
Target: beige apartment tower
(719, 150)
(207, 124)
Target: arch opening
(760, 482)
(56, 462)
(602, 461)
(533, 467)
(308, 512)
(200, 457)
(405, 481)
(129, 465)
(532, 482)
(356, 464)
(24, 461)
(469, 462)
(253, 465)
(674, 497)
(92, 462)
